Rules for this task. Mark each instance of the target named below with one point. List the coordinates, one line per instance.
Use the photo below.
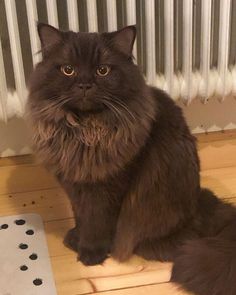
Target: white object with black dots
(25, 267)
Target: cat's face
(86, 73)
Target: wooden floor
(26, 187)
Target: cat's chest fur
(92, 151)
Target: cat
(126, 158)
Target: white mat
(25, 267)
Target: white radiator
(186, 47)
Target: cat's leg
(145, 220)
(155, 249)
(127, 234)
(132, 238)
(96, 210)
(164, 249)
(71, 239)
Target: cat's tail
(207, 266)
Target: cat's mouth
(85, 107)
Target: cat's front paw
(71, 239)
(92, 257)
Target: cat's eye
(68, 70)
(103, 70)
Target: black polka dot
(29, 232)
(38, 282)
(24, 268)
(23, 246)
(4, 226)
(33, 256)
(20, 222)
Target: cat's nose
(85, 86)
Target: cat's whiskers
(120, 103)
(119, 115)
(123, 118)
(124, 106)
(50, 104)
(56, 104)
(115, 111)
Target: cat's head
(87, 73)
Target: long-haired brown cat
(126, 158)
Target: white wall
(14, 138)
(212, 116)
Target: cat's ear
(124, 39)
(49, 37)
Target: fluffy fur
(124, 154)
